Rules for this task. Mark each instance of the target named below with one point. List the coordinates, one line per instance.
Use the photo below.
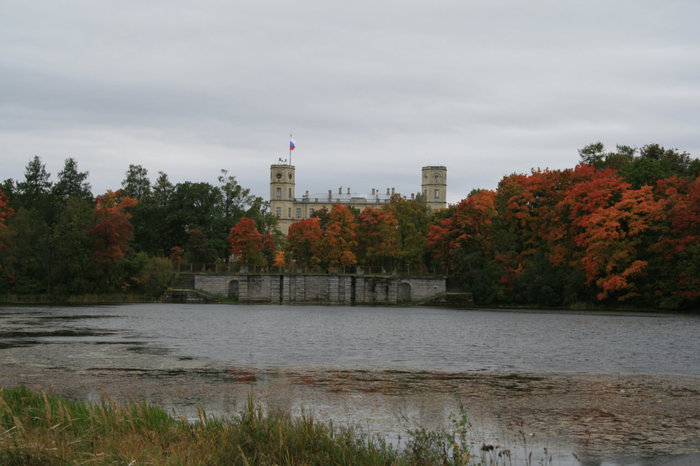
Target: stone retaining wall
(324, 289)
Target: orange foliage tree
(304, 243)
(339, 241)
(466, 227)
(246, 242)
(677, 251)
(112, 230)
(609, 220)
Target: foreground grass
(39, 429)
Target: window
(311, 212)
(279, 211)
(290, 193)
(437, 194)
(298, 212)
(279, 192)
(289, 211)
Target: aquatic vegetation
(39, 428)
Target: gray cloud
(372, 90)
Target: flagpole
(290, 149)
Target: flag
(292, 144)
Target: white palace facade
(289, 208)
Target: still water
(414, 339)
(610, 385)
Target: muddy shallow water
(149, 353)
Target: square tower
(434, 186)
(282, 185)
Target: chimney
(387, 191)
(348, 189)
(330, 194)
(307, 194)
(392, 191)
(372, 191)
(340, 190)
(413, 196)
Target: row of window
(279, 194)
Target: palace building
(289, 208)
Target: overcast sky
(371, 90)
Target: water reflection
(608, 387)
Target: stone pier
(319, 288)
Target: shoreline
(116, 299)
(591, 415)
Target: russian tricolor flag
(292, 144)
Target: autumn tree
(304, 243)
(610, 219)
(111, 234)
(246, 242)
(5, 213)
(462, 240)
(675, 260)
(269, 248)
(339, 241)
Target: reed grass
(39, 428)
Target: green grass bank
(43, 429)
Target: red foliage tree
(5, 213)
(246, 242)
(304, 242)
(112, 230)
(467, 227)
(678, 249)
(340, 238)
(609, 219)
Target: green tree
(71, 265)
(378, 237)
(136, 183)
(593, 154)
(35, 191)
(36, 182)
(72, 183)
(28, 254)
(414, 218)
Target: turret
(282, 185)
(434, 186)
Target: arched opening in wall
(233, 289)
(405, 292)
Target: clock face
(279, 175)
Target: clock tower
(282, 184)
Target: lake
(610, 388)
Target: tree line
(621, 227)
(57, 238)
